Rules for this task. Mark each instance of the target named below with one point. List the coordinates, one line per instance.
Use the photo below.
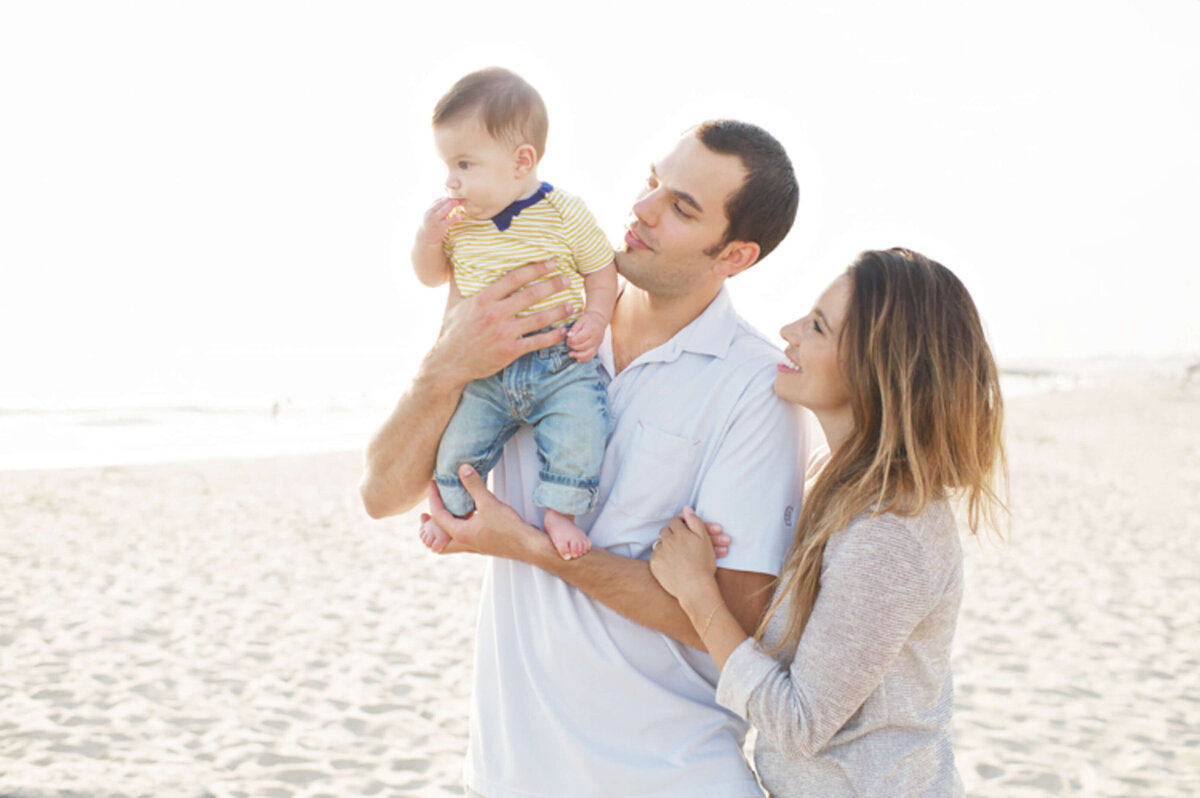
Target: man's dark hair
(763, 209)
(509, 107)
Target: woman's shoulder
(931, 535)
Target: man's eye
(679, 210)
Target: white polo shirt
(572, 698)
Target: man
(588, 677)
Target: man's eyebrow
(682, 196)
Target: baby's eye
(463, 165)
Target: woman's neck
(837, 424)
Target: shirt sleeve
(589, 245)
(755, 482)
(874, 591)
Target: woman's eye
(817, 327)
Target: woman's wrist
(701, 602)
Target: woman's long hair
(928, 416)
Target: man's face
(678, 216)
(480, 170)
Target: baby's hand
(586, 335)
(438, 219)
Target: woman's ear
(526, 159)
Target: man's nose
(646, 208)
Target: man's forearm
(400, 458)
(627, 586)
(623, 584)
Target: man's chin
(622, 258)
(627, 267)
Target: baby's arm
(600, 291)
(429, 259)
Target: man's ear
(526, 159)
(737, 256)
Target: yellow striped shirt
(558, 226)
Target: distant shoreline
(180, 431)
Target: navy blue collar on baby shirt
(503, 219)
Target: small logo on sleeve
(788, 514)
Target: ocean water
(66, 437)
(121, 436)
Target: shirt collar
(711, 333)
(505, 218)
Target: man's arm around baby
(479, 336)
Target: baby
(490, 130)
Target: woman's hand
(683, 560)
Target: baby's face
(480, 170)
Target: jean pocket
(657, 475)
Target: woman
(847, 677)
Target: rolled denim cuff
(568, 498)
(454, 496)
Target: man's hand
(483, 334)
(586, 335)
(494, 528)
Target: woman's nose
(791, 332)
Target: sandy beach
(241, 628)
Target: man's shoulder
(753, 340)
(751, 352)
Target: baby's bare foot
(568, 539)
(432, 535)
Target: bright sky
(193, 194)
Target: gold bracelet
(712, 615)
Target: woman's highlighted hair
(928, 415)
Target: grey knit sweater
(862, 706)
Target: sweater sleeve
(875, 589)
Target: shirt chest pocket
(656, 474)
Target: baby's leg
(568, 539)
(570, 428)
(475, 435)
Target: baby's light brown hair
(509, 108)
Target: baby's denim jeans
(565, 401)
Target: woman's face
(811, 376)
